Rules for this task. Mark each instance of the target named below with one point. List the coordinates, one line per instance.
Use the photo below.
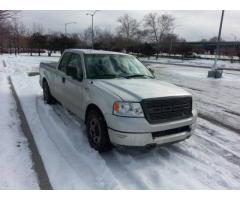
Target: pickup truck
(119, 99)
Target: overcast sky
(191, 25)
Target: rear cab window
(75, 61)
(64, 62)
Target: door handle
(63, 79)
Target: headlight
(127, 109)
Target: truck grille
(167, 109)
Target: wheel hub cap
(95, 131)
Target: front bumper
(143, 134)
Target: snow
(210, 159)
(24, 63)
(15, 162)
(92, 51)
(196, 62)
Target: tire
(97, 131)
(47, 96)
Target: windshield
(101, 66)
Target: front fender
(99, 97)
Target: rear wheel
(47, 96)
(97, 131)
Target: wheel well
(93, 107)
(44, 80)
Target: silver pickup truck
(119, 99)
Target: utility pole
(66, 24)
(215, 72)
(92, 15)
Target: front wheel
(97, 131)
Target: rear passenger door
(73, 84)
(60, 78)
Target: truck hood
(138, 89)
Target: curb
(38, 165)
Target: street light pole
(66, 24)
(92, 15)
(218, 40)
(215, 72)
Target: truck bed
(52, 65)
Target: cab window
(74, 67)
(64, 62)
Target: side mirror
(72, 71)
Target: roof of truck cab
(92, 51)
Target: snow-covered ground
(15, 157)
(210, 159)
(24, 63)
(196, 62)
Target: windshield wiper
(139, 75)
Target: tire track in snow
(152, 170)
(161, 168)
(125, 176)
(218, 155)
(219, 149)
(140, 170)
(90, 166)
(125, 165)
(117, 162)
(209, 168)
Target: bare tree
(215, 38)
(18, 32)
(6, 27)
(87, 35)
(7, 14)
(129, 27)
(37, 28)
(151, 20)
(158, 26)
